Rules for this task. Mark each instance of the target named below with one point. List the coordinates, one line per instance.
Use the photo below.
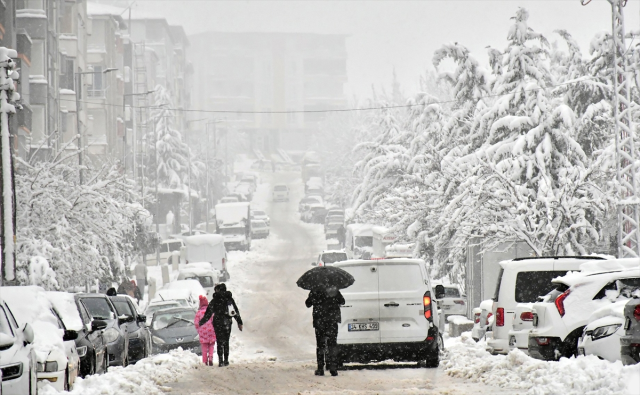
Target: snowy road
(278, 325)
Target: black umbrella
(325, 276)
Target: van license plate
(369, 326)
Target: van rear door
(360, 313)
(401, 289)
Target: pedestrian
(112, 292)
(206, 333)
(141, 274)
(136, 292)
(326, 317)
(341, 234)
(223, 308)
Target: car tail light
(488, 316)
(542, 341)
(459, 302)
(476, 318)
(560, 302)
(426, 302)
(636, 313)
(500, 316)
(526, 316)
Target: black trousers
(327, 346)
(223, 333)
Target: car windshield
(333, 257)
(205, 281)
(258, 224)
(174, 319)
(170, 246)
(451, 292)
(280, 188)
(98, 308)
(333, 226)
(122, 307)
(232, 231)
(364, 241)
(259, 213)
(532, 285)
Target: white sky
(384, 35)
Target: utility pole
(628, 205)
(7, 207)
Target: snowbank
(146, 377)
(583, 375)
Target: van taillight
(500, 316)
(488, 316)
(426, 302)
(476, 318)
(560, 302)
(636, 313)
(526, 316)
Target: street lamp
(124, 137)
(78, 90)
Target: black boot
(220, 360)
(333, 372)
(226, 357)
(319, 372)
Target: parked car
(134, 325)
(90, 344)
(182, 296)
(156, 305)
(559, 321)
(261, 215)
(630, 341)
(100, 308)
(173, 328)
(522, 280)
(331, 230)
(315, 213)
(483, 320)
(192, 286)
(259, 229)
(57, 358)
(208, 278)
(601, 336)
(329, 257)
(308, 200)
(281, 193)
(18, 361)
(454, 302)
(522, 325)
(387, 293)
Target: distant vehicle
(101, 309)
(160, 305)
(134, 325)
(335, 212)
(18, 356)
(601, 336)
(192, 286)
(630, 341)
(173, 328)
(314, 214)
(245, 190)
(307, 200)
(234, 225)
(358, 240)
(400, 250)
(331, 230)
(453, 302)
(382, 238)
(314, 182)
(261, 215)
(330, 257)
(385, 293)
(281, 193)
(57, 363)
(315, 192)
(229, 199)
(208, 248)
(483, 320)
(90, 345)
(182, 296)
(166, 247)
(207, 278)
(559, 321)
(522, 325)
(259, 229)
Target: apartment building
(270, 72)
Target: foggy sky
(384, 35)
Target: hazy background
(388, 35)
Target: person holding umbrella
(324, 283)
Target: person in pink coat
(206, 333)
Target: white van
(208, 248)
(523, 280)
(358, 240)
(390, 313)
(281, 193)
(167, 247)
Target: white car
(192, 286)
(182, 296)
(522, 325)
(57, 358)
(259, 229)
(523, 280)
(601, 336)
(160, 305)
(389, 313)
(208, 278)
(166, 247)
(329, 257)
(281, 193)
(454, 302)
(482, 320)
(261, 215)
(17, 354)
(559, 321)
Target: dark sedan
(630, 342)
(173, 328)
(90, 344)
(134, 325)
(100, 308)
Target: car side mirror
(439, 291)
(98, 325)
(28, 333)
(142, 318)
(6, 341)
(69, 335)
(124, 319)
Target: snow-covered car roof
(205, 239)
(30, 305)
(361, 229)
(192, 286)
(65, 304)
(199, 271)
(602, 272)
(519, 263)
(173, 294)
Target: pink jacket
(206, 332)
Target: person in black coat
(326, 317)
(223, 308)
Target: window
(364, 241)
(66, 21)
(170, 247)
(97, 88)
(4, 323)
(99, 308)
(206, 281)
(37, 58)
(495, 296)
(531, 285)
(86, 319)
(37, 122)
(122, 307)
(451, 292)
(334, 257)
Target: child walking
(206, 333)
